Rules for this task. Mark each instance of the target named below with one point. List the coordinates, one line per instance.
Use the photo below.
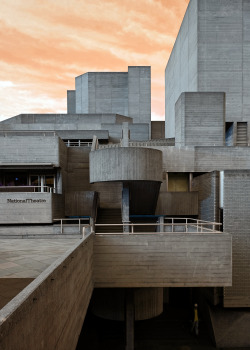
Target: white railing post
(61, 227)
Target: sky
(45, 44)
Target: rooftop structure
(142, 213)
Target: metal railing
(175, 225)
(186, 226)
(79, 223)
(77, 143)
(87, 229)
(30, 188)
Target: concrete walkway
(27, 258)
(22, 260)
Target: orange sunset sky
(45, 44)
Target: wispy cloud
(6, 83)
(43, 47)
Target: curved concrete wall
(125, 164)
(109, 303)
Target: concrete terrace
(22, 260)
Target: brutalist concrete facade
(211, 54)
(128, 94)
(200, 119)
(207, 186)
(207, 99)
(236, 220)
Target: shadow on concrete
(170, 330)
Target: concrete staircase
(109, 216)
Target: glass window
(178, 182)
(49, 181)
(16, 179)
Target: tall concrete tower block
(139, 94)
(212, 54)
(125, 93)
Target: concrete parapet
(163, 260)
(125, 164)
(30, 207)
(49, 313)
(204, 158)
(44, 150)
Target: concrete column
(130, 318)
(125, 207)
(125, 135)
(71, 101)
(161, 226)
(190, 182)
(59, 186)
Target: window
(178, 182)
(42, 183)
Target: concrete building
(144, 217)
(211, 54)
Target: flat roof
(27, 258)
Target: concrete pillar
(125, 135)
(190, 182)
(59, 185)
(161, 221)
(125, 207)
(130, 318)
(71, 101)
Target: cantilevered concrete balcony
(125, 164)
(31, 149)
(183, 254)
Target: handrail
(84, 229)
(198, 226)
(78, 143)
(42, 188)
(71, 219)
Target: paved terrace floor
(22, 260)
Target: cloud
(23, 100)
(6, 83)
(159, 117)
(3, 117)
(42, 48)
